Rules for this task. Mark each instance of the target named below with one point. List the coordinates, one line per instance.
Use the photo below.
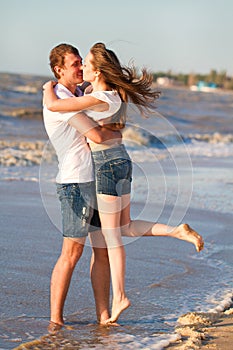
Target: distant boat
(204, 87)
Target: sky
(183, 36)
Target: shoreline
(206, 331)
(212, 331)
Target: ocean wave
(21, 95)
(23, 83)
(19, 112)
(212, 138)
(24, 153)
(28, 153)
(27, 89)
(141, 136)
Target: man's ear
(58, 70)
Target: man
(75, 187)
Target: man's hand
(89, 128)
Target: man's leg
(100, 276)
(71, 252)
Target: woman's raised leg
(137, 228)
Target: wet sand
(220, 334)
(217, 334)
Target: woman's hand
(48, 93)
(49, 84)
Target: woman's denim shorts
(113, 171)
(78, 207)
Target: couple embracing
(84, 123)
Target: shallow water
(165, 277)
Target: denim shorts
(78, 207)
(113, 171)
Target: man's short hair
(57, 56)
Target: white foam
(148, 147)
(223, 304)
(131, 342)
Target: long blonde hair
(125, 81)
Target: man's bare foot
(54, 327)
(117, 309)
(186, 233)
(103, 316)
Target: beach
(31, 245)
(180, 299)
(213, 332)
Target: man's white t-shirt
(74, 155)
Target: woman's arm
(72, 104)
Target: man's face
(72, 72)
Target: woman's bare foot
(186, 233)
(109, 323)
(104, 321)
(117, 309)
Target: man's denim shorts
(113, 171)
(79, 209)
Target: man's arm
(89, 128)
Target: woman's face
(89, 73)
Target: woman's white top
(113, 99)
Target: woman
(114, 86)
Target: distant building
(164, 81)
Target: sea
(182, 172)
